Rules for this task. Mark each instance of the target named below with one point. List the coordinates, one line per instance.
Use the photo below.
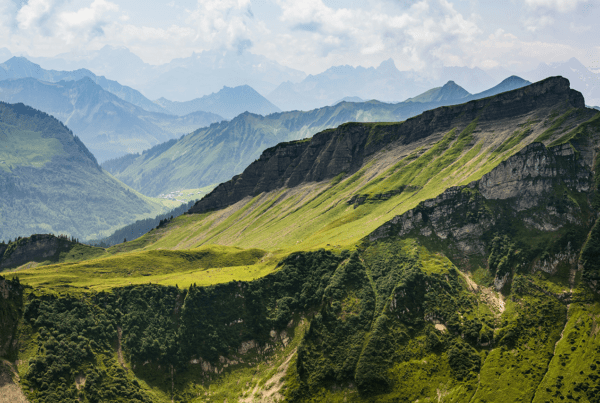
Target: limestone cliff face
(528, 188)
(344, 150)
(531, 173)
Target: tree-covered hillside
(51, 183)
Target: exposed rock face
(523, 180)
(344, 150)
(525, 185)
(530, 174)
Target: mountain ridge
(188, 163)
(295, 162)
(225, 102)
(107, 124)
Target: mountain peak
(387, 65)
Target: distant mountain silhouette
(108, 125)
(228, 102)
(21, 67)
(184, 78)
(385, 83)
(449, 92)
(348, 99)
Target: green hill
(451, 257)
(51, 183)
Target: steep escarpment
(344, 150)
(509, 212)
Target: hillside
(214, 154)
(228, 102)
(451, 257)
(107, 125)
(50, 182)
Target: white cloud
(562, 6)
(534, 24)
(412, 35)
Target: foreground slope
(214, 154)
(472, 275)
(50, 182)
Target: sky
(312, 35)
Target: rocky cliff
(538, 190)
(344, 150)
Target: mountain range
(451, 256)
(51, 183)
(384, 83)
(107, 125)
(207, 72)
(181, 79)
(214, 154)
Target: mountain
(107, 61)
(20, 67)
(184, 78)
(50, 182)
(474, 79)
(228, 102)
(449, 92)
(508, 84)
(348, 99)
(582, 79)
(214, 154)
(448, 257)
(385, 83)
(107, 125)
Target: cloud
(562, 6)
(222, 23)
(413, 35)
(534, 24)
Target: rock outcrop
(345, 149)
(528, 187)
(36, 248)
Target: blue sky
(312, 35)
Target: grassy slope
(532, 353)
(317, 215)
(197, 160)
